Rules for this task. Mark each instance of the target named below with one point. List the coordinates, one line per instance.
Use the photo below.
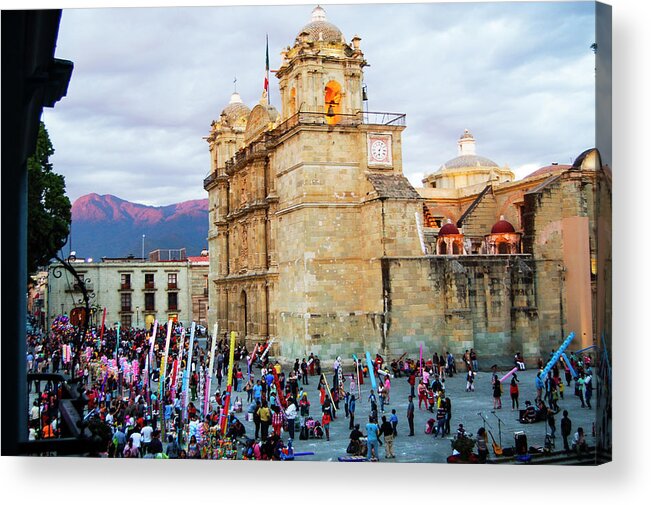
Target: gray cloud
(148, 82)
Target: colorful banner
(213, 346)
(178, 363)
(556, 356)
(101, 331)
(421, 360)
(511, 372)
(371, 371)
(161, 379)
(186, 373)
(229, 383)
(251, 360)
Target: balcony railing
(150, 285)
(320, 119)
(125, 285)
(172, 307)
(75, 287)
(172, 285)
(126, 308)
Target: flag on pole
(266, 73)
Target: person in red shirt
(325, 422)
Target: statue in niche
(243, 195)
(245, 247)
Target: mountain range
(107, 226)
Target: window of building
(125, 322)
(149, 281)
(172, 301)
(125, 281)
(205, 285)
(125, 302)
(150, 301)
(80, 282)
(171, 281)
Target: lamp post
(143, 247)
(137, 316)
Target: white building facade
(134, 292)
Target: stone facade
(319, 241)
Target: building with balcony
(134, 292)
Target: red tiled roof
(198, 259)
(548, 169)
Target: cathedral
(319, 241)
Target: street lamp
(137, 318)
(143, 247)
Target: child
(325, 422)
(470, 387)
(393, 419)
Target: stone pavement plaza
(466, 407)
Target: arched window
(292, 102)
(333, 102)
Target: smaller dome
(319, 29)
(448, 229)
(236, 109)
(502, 226)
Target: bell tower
(321, 73)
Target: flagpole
(266, 73)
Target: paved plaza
(466, 409)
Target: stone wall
(444, 303)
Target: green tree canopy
(48, 211)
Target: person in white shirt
(290, 414)
(146, 432)
(136, 439)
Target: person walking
(265, 420)
(410, 415)
(497, 394)
(514, 390)
(387, 431)
(587, 390)
(394, 422)
(566, 430)
(351, 412)
(470, 379)
(290, 415)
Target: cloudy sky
(148, 82)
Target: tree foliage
(48, 211)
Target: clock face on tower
(379, 150)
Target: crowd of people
(121, 373)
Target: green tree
(48, 211)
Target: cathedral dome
(448, 229)
(319, 29)
(470, 160)
(467, 157)
(502, 226)
(236, 109)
